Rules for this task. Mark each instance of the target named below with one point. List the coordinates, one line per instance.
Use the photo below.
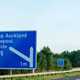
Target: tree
(45, 59)
(67, 64)
(75, 58)
(41, 62)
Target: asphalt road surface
(68, 78)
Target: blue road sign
(60, 62)
(17, 49)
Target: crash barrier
(4, 77)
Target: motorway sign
(18, 49)
(60, 62)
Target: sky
(57, 22)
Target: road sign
(60, 62)
(17, 49)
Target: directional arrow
(18, 53)
(31, 56)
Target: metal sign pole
(10, 71)
(33, 70)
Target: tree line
(47, 60)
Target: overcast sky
(57, 22)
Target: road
(68, 78)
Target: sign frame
(12, 68)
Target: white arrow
(31, 56)
(29, 59)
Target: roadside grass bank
(45, 77)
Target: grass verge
(46, 77)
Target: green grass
(46, 77)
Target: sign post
(10, 71)
(18, 50)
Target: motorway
(68, 78)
